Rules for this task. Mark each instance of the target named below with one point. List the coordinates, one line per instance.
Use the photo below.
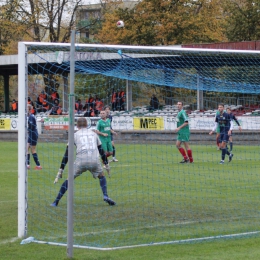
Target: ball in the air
(120, 24)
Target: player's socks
(62, 191)
(227, 152)
(114, 151)
(224, 151)
(103, 185)
(189, 152)
(28, 159)
(231, 146)
(182, 151)
(35, 157)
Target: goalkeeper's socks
(114, 151)
(103, 185)
(62, 191)
(231, 146)
(224, 151)
(35, 157)
(28, 159)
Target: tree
(50, 20)
(243, 20)
(160, 22)
(11, 29)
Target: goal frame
(22, 114)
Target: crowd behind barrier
(159, 119)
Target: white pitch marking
(11, 240)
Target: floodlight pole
(71, 150)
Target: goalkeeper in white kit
(87, 159)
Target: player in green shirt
(104, 131)
(183, 131)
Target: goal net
(158, 199)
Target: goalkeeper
(87, 158)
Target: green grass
(157, 200)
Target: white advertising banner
(207, 123)
(170, 123)
(196, 123)
(14, 123)
(123, 123)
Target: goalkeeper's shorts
(85, 164)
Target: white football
(120, 24)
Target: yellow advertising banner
(5, 124)
(148, 123)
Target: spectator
(90, 102)
(99, 106)
(56, 108)
(44, 107)
(55, 95)
(29, 102)
(78, 106)
(41, 98)
(14, 106)
(121, 96)
(154, 103)
(114, 100)
(89, 112)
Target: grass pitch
(158, 200)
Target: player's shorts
(183, 137)
(84, 164)
(32, 139)
(218, 130)
(224, 137)
(112, 139)
(107, 145)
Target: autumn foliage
(161, 22)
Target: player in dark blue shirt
(107, 109)
(32, 139)
(239, 127)
(225, 123)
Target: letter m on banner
(151, 123)
(144, 123)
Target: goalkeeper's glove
(59, 176)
